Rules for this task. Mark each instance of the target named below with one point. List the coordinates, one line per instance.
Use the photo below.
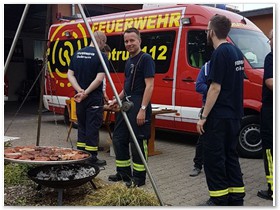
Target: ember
(65, 173)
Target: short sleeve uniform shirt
(227, 69)
(135, 84)
(267, 95)
(86, 65)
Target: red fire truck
(175, 37)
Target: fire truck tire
(249, 142)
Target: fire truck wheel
(250, 143)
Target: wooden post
(48, 22)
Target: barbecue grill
(64, 176)
(60, 173)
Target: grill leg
(59, 198)
(39, 187)
(93, 185)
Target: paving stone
(170, 170)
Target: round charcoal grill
(52, 150)
(64, 176)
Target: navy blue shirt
(86, 65)
(267, 95)
(144, 69)
(227, 69)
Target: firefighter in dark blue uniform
(201, 87)
(86, 75)
(219, 122)
(138, 88)
(267, 122)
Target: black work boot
(135, 182)
(94, 160)
(99, 162)
(265, 194)
(195, 171)
(119, 177)
(209, 202)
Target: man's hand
(112, 102)
(106, 98)
(80, 96)
(141, 116)
(199, 126)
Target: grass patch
(15, 174)
(119, 195)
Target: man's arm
(73, 81)
(269, 83)
(148, 91)
(268, 71)
(211, 98)
(146, 99)
(212, 95)
(95, 83)
(201, 83)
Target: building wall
(264, 22)
(60, 10)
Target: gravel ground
(30, 195)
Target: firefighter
(201, 87)
(137, 92)
(267, 122)
(86, 75)
(219, 122)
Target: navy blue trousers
(221, 164)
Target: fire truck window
(198, 52)
(253, 45)
(158, 44)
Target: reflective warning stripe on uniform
(145, 149)
(236, 189)
(81, 144)
(269, 178)
(138, 167)
(123, 163)
(91, 148)
(218, 193)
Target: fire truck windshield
(253, 45)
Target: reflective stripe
(270, 162)
(218, 193)
(236, 189)
(206, 69)
(81, 144)
(269, 178)
(138, 167)
(145, 149)
(123, 163)
(90, 148)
